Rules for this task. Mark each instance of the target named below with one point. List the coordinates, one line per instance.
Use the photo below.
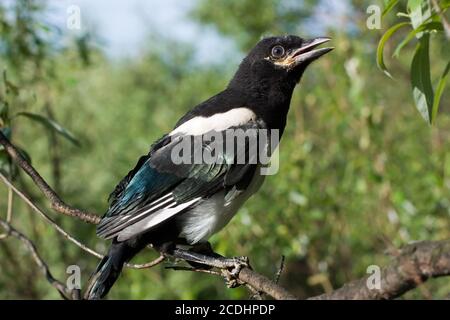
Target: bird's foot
(231, 273)
(230, 267)
(233, 265)
(238, 264)
(230, 281)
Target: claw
(239, 263)
(232, 283)
(231, 279)
(232, 273)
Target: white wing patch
(110, 227)
(218, 122)
(153, 220)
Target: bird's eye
(277, 52)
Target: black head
(277, 63)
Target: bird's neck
(270, 101)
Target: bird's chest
(214, 213)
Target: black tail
(107, 271)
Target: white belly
(214, 213)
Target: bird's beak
(306, 53)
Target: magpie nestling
(173, 205)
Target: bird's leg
(212, 261)
(206, 249)
(230, 266)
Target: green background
(360, 170)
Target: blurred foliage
(259, 19)
(359, 170)
(424, 18)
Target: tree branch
(29, 245)
(9, 211)
(69, 237)
(264, 284)
(414, 264)
(256, 282)
(55, 201)
(49, 220)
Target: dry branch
(263, 284)
(9, 212)
(66, 235)
(414, 264)
(55, 201)
(29, 245)
(49, 220)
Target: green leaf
(421, 80)
(429, 26)
(52, 125)
(419, 12)
(380, 50)
(439, 92)
(389, 5)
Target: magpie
(170, 204)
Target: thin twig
(29, 245)
(69, 237)
(258, 295)
(48, 219)
(181, 268)
(9, 212)
(280, 269)
(445, 23)
(147, 265)
(55, 201)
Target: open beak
(307, 52)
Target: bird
(171, 204)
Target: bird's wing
(121, 186)
(158, 189)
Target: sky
(123, 25)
